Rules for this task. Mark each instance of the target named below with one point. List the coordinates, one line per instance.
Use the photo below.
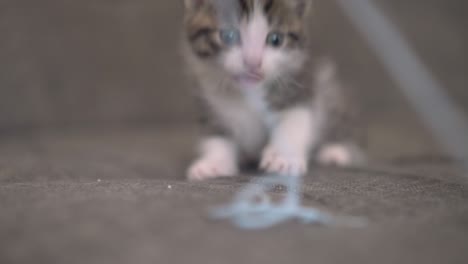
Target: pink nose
(253, 63)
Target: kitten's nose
(253, 63)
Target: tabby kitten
(264, 97)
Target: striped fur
(203, 21)
(263, 97)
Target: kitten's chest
(247, 117)
(244, 107)
(254, 100)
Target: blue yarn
(252, 207)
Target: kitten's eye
(275, 39)
(230, 37)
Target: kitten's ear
(302, 7)
(194, 4)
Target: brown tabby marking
(202, 24)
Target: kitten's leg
(291, 141)
(218, 158)
(340, 154)
(344, 132)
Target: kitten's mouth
(249, 78)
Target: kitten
(264, 97)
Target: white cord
(431, 102)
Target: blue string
(253, 208)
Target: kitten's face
(253, 41)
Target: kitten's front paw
(274, 161)
(204, 169)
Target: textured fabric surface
(104, 197)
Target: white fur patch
(256, 100)
(240, 117)
(337, 155)
(296, 132)
(218, 159)
(253, 38)
(276, 162)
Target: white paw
(338, 155)
(274, 161)
(204, 169)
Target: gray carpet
(98, 197)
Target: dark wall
(67, 61)
(99, 61)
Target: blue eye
(230, 37)
(275, 39)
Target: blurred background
(97, 123)
(68, 64)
